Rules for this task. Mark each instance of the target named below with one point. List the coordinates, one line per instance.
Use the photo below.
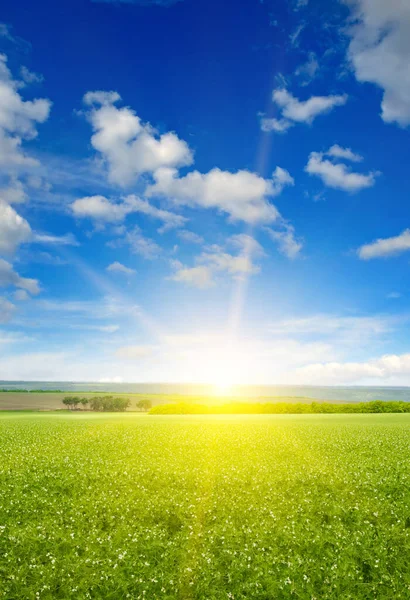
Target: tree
(109, 404)
(72, 402)
(84, 402)
(144, 404)
(68, 402)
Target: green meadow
(200, 507)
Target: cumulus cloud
(237, 266)
(20, 295)
(385, 247)
(200, 277)
(379, 52)
(14, 230)
(278, 125)
(243, 195)
(246, 244)
(102, 210)
(117, 267)
(338, 175)
(285, 238)
(339, 152)
(7, 310)
(215, 260)
(14, 192)
(170, 219)
(9, 278)
(18, 120)
(128, 146)
(140, 244)
(379, 369)
(297, 111)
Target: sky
(205, 192)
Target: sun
(222, 388)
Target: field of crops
(267, 507)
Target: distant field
(53, 401)
(204, 507)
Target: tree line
(257, 408)
(104, 403)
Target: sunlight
(222, 389)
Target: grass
(265, 507)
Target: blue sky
(198, 191)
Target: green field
(310, 507)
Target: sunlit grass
(204, 507)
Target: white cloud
(7, 310)
(278, 125)
(215, 260)
(100, 209)
(334, 326)
(246, 244)
(338, 152)
(14, 230)
(101, 98)
(14, 192)
(385, 247)
(67, 239)
(286, 240)
(237, 266)
(128, 146)
(380, 52)
(30, 77)
(280, 179)
(200, 277)
(103, 210)
(308, 70)
(117, 267)
(242, 195)
(21, 295)
(18, 119)
(379, 369)
(170, 219)
(139, 244)
(296, 111)
(190, 236)
(9, 277)
(338, 175)
(305, 111)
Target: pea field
(266, 507)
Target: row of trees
(377, 406)
(104, 403)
